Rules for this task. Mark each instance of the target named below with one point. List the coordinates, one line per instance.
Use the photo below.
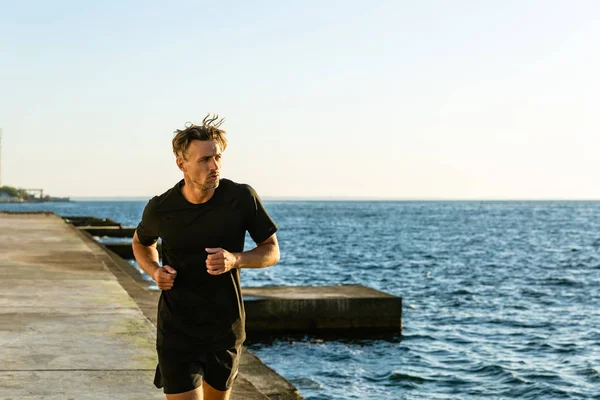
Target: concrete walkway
(68, 329)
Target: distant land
(9, 194)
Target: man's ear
(180, 164)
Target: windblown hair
(209, 130)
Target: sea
(501, 299)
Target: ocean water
(501, 299)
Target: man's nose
(214, 164)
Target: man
(202, 222)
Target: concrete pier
(91, 221)
(110, 231)
(69, 328)
(124, 250)
(338, 310)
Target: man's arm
(263, 255)
(147, 258)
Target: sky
(322, 99)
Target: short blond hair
(209, 130)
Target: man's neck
(195, 194)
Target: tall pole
(0, 157)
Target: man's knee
(195, 394)
(210, 393)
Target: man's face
(202, 164)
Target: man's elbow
(270, 253)
(275, 256)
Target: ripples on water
(501, 299)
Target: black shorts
(179, 372)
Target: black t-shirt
(203, 311)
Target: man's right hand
(164, 277)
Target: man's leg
(191, 395)
(210, 393)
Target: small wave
(461, 292)
(563, 282)
(488, 370)
(533, 391)
(452, 382)
(306, 383)
(530, 292)
(547, 377)
(334, 374)
(497, 374)
(399, 377)
(592, 375)
(396, 378)
(565, 348)
(418, 337)
(537, 347)
(340, 358)
(521, 324)
(377, 377)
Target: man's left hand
(219, 261)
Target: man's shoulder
(165, 199)
(234, 188)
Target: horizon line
(342, 198)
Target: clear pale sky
(382, 99)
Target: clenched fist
(164, 277)
(219, 261)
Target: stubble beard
(210, 185)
